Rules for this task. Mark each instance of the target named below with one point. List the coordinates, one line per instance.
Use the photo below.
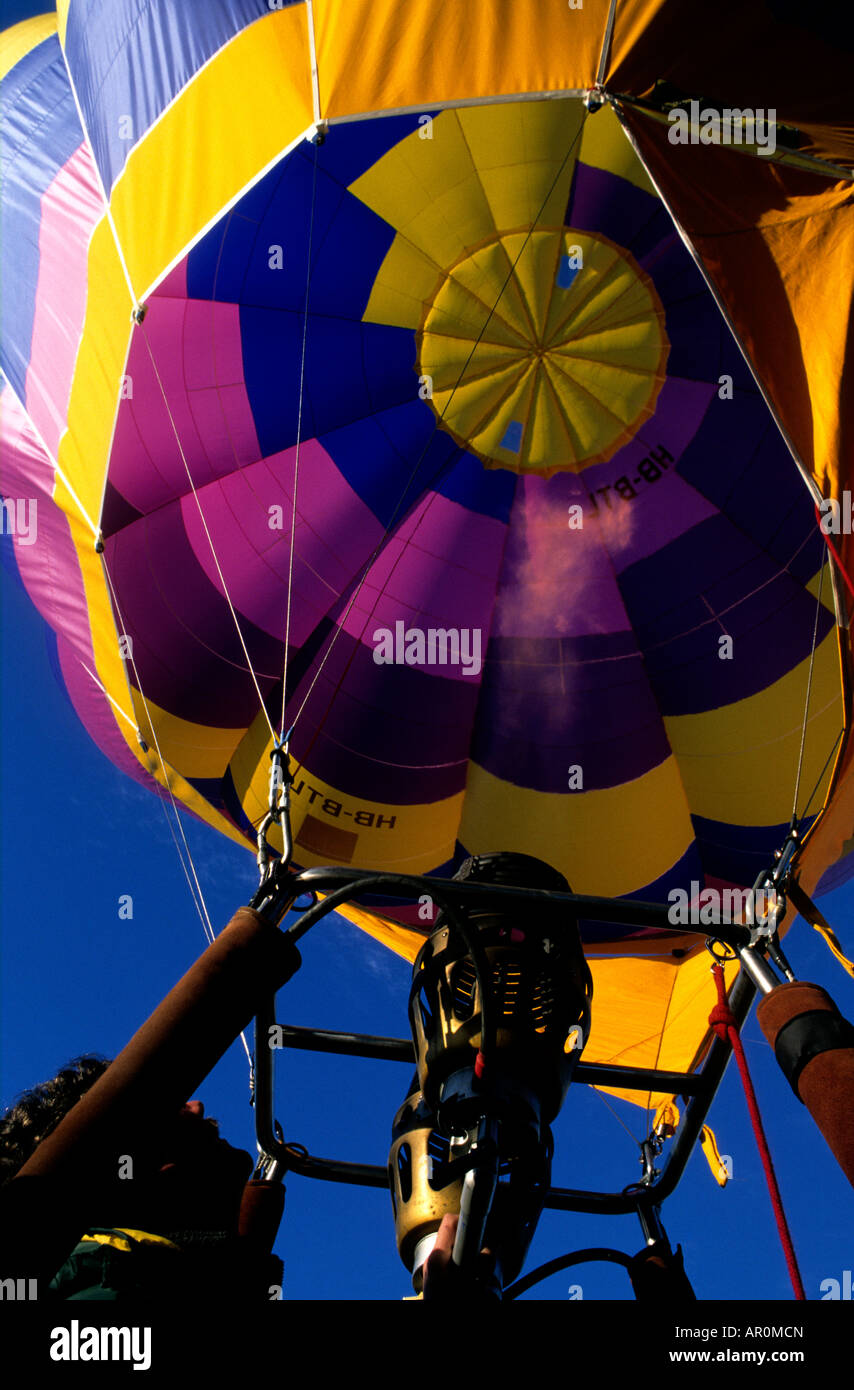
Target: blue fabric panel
(351, 148)
(351, 370)
(489, 491)
(774, 616)
(258, 253)
(737, 852)
(39, 132)
(130, 58)
(230, 803)
(392, 458)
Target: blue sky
(76, 836)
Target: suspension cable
(226, 594)
(299, 440)
(199, 901)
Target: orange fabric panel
(778, 244)
(429, 52)
(746, 56)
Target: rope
(617, 1117)
(722, 1020)
(835, 553)
(820, 778)
(197, 894)
(226, 594)
(299, 441)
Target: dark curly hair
(38, 1112)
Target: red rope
(724, 1024)
(835, 553)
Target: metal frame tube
(593, 909)
(701, 1086)
(401, 1050)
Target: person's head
(37, 1113)
(187, 1178)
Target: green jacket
(187, 1266)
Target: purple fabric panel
(548, 704)
(51, 573)
(440, 570)
(174, 284)
(197, 355)
(248, 515)
(609, 206)
(394, 733)
(48, 562)
(185, 643)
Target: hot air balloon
(443, 407)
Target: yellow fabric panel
(604, 145)
(181, 790)
(62, 8)
(431, 827)
(197, 749)
(449, 193)
(710, 1149)
(582, 395)
(598, 839)
(429, 190)
(406, 281)
(233, 119)
(21, 39)
(427, 52)
(101, 359)
(738, 762)
(84, 449)
(650, 1013)
(525, 156)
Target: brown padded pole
(261, 1211)
(149, 1081)
(826, 1084)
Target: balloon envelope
(435, 440)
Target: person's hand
(443, 1280)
